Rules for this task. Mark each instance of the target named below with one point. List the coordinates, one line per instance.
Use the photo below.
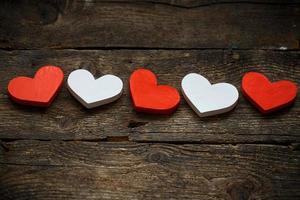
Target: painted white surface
(207, 99)
(93, 92)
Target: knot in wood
(241, 189)
(157, 157)
(48, 13)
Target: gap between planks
(116, 48)
(126, 139)
(212, 3)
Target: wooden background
(112, 152)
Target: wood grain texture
(149, 24)
(67, 119)
(85, 170)
(198, 3)
(146, 156)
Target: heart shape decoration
(207, 99)
(265, 95)
(92, 92)
(38, 91)
(149, 97)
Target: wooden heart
(267, 96)
(149, 97)
(92, 93)
(38, 91)
(207, 99)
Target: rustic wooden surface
(89, 170)
(112, 152)
(146, 24)
(66, 119)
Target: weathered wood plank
(150, 24)
(80, 170)
(198, 3)
(66, 119)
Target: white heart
(92, 93)
(207, 99)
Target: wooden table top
(112, 152)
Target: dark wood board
(150, 24)
(112, 152)
(66, 119)
(89, 170)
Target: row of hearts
(148, 96)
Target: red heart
(267, 96)
(149, 97)
(37, 91)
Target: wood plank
(151, 24)
(199, 3)
(85, 170)
(67, 119)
